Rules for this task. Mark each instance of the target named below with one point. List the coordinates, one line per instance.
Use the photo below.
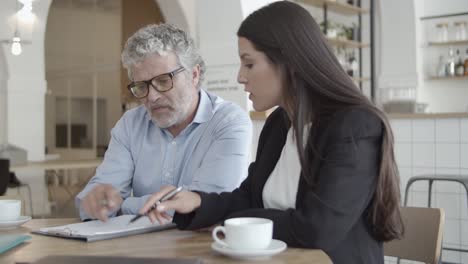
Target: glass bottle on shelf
(450, 64)
(466, 63)
(460, 30)
(459, 67)
(340, 55)
(441, 67)
(353, 65)
(442, 32)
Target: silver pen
(166, 197)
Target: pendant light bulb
(16, 46)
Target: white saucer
(275, 247)
(14, 223)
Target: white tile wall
(447, 187)
(452, 236)
(424, 155)
(418, 199)
(403, 155)
(464, 130)
(401, 130)
(427, 146)
(447, 130)
(451, 256)
(455, 188)
(447, 155)
(464, 155)
(464, 233)
(464, 258)
(423, 130)
(450, 203)
(464, 206)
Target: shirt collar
(205, 108)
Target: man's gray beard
(166, 125)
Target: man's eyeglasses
(162, 83)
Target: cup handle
(215, 232)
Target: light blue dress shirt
(211, 154)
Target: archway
(83, 43)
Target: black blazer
(330, 216)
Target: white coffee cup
(245, 233)
(10, 210)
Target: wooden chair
(422, 240)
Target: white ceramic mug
(245, 233)
(10, 210)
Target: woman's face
(261, 78)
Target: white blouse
(280, 190)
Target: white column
(26, 86)
(3, 101)
(218, 44)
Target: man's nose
(153, 94)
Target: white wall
(3, 100)
(26, 85)
(218, 44)
(397, 67)
(442, 7)
(436, 146)
(181, 13)
(441, 95)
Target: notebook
(8, 242)
(113, 260)
(97, 230)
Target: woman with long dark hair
(343, 194)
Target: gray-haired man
(182, 136)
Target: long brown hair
(316, 86)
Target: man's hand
(101, 201)
(184, 202)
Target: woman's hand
(184, 202)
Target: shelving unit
(439, 47)
(449, 78)
(448, 43)
(360, 79)
(338, 7)
(350, 10)
(347, 43)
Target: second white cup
(245, 233)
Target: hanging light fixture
(16, 42)
(16, 48)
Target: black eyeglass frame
(150, 82)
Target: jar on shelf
(442, 32)
(460, 30)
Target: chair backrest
(4, 175)
(422, 240)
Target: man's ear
(196, 75)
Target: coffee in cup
(10, 210)
(245, 233)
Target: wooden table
(164, 244)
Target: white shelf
(337, 7)
(347, 43)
